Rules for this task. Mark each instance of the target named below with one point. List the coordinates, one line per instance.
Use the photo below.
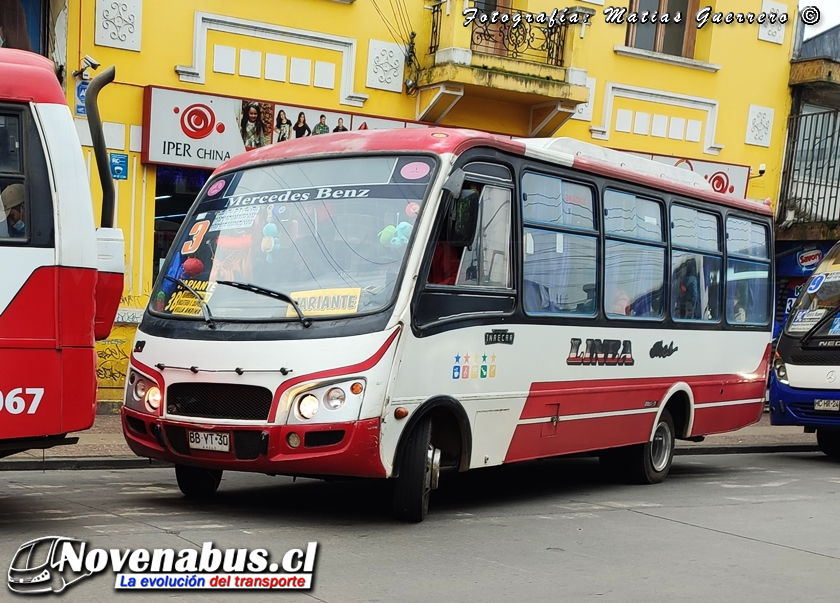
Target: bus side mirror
(463, 220)
(455, 183)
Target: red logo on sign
(198, 121)
(809, 258)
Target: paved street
(722, 528)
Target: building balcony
(528, 64)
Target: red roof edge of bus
(620, 173)
(434, 140)
(28, 77)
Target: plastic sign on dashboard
(325, 302)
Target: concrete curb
(129, 462)
(75, 464)
(748, 449)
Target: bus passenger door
(30, 375)
(461, 311)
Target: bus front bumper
(795, 406)
(340, 449)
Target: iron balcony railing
(811, 178)
(525, 41)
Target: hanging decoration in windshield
(331, 235)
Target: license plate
(827, 405)
(209, 440)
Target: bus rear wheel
(649, 463)
(828, 441)
(643, 463)
(198, 482)
(419, 474)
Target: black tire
(197, 482)
(828, 441)
(414, 484)
(649, 463)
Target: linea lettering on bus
(609, 352)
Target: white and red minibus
(387, 304)
(61, 276)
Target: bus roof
(567, 152)
(28, 77)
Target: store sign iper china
(190, 130)
(202, 131)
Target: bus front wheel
(828, 441)
(197, 482)
(419, 473)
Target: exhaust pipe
(99, 148)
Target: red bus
(62, 276)
(395, 303)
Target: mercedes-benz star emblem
(831, 377)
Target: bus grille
(314, 439)
(247, 444)
(805, 410)
(218, 401)
(815, 359)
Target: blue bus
(805, 389)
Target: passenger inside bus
(14, 210)
(621, 303)
(445, 264)
(446, 260)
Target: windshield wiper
(205, 309)
(307, 322)
(819, 324)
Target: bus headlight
(334, 398)
(780, 369)
(308, 406)
(153, 398)
(140, 389)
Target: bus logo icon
(38, 566)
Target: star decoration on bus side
(467, 358)
(457, 358)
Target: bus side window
(486, 263)
(695, 272)
(747, 300)
(12, 190)
(560, 259)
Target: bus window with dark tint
(747, 298)
(695, 277)
(634, 272)
(12, 189)
(560, 265)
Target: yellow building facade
(713, 99)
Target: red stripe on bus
(154, 373)
(365, 365)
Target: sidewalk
(103, 447)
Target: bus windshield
(331, 234)
(820, 297)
